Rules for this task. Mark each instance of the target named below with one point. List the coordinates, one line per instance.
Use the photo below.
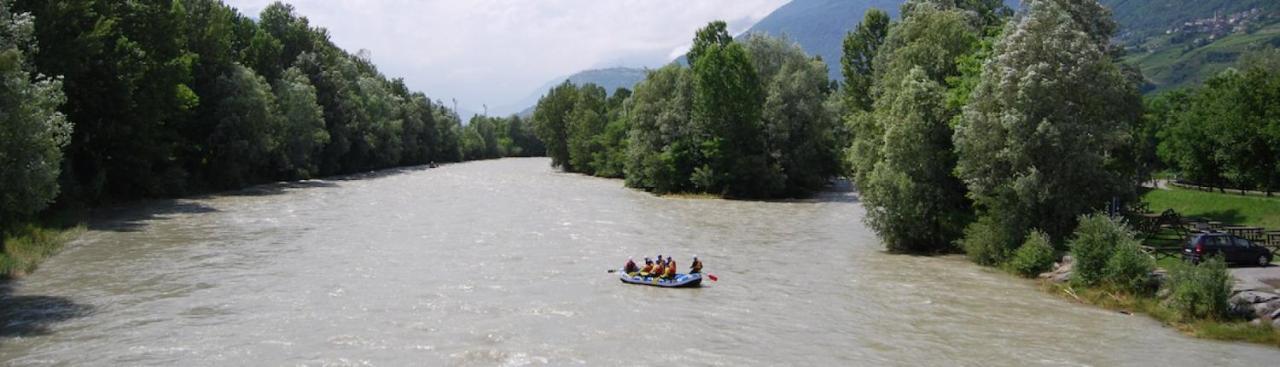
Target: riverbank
(26, 245)
(1248, 317)
(1151, 306)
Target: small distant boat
(679, 281)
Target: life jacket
(648, 268)
(630, 267)
(696, 267)
(671, 269)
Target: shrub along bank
(1109, 270)
(997, 135)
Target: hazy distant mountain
(819, 26)
(610, 79)
(1168, 54)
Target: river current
(504, 263)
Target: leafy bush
(1034, 257)
(1093, 244)
(1129, 269)
(1200, 291)
(22, 247)
(986, 242)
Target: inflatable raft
(680, 280)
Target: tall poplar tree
(1046, 132)
(32, 130)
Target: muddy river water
(504, 263)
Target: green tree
(610, 160)
(661, 153)
(303, 134)
(1224, 133)
(523, 138)
(126, 80)
(1184, 138)
(913, 200)
(473, 142)
(726, 107)
(294, 33)
(1044, 137)
(418, 134)
(249, 127)
(983, 14)
(931, 39)
(587, 121)
(799, 129)
(449, 129)
(901, 155)
(860, 48)
(32, 129)
(715, 34)
(551, 122)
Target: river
(504, 263)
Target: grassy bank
(1231, 330)
(1225, 208)
(26, 245)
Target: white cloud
(495, 52)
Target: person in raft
(648, 267)
(630, 268)
(670, 271)
(696, 266)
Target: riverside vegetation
(965, 127)
(167, 98)
(750, 119)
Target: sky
(497, 52)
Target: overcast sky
(497, 52)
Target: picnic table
(1273, 241)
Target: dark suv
(1233, 249)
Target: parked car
(1234, 250)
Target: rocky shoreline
(1250, 298)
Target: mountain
(1140, 19)
(1169, 52)
(1177, 43)
(610, 79)
(819, 26)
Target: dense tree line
(133, 99)
(749, 118)
(495, 137)
(32, 131)
(1225, 133)
(1047, 134)
(974, 127)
